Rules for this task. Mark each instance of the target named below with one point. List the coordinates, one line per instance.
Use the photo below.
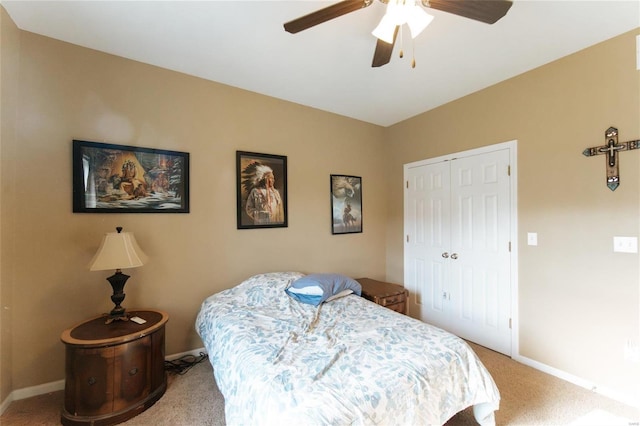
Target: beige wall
(579, 302)
(9, 35)
(68, 92)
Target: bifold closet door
(457, 258)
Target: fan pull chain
(413, 49)
(413, 53)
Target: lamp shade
(385, 30)
(118, 250)
(417, 20)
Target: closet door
(427, 233)
(457, 256)
(479, 289)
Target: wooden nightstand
(392, 296)
(113, 371)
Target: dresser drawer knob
(133, 371)
(92, 381)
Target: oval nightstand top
(94, 332)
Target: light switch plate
(625, 244)
(638, 52)
(532, 238)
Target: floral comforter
(347, 362)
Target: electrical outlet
(625, 244)
(632, 351)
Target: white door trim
(513, 232)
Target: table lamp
(118, 250)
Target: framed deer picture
(346, 204)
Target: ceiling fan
(488, 11)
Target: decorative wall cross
(611, 149)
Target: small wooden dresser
(113, 371)
(392, 296)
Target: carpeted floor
(529, 397)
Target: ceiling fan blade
(488, 11)
(324, 15)
(383, 52)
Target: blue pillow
(317, 288)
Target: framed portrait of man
(261, 190)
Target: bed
(346, 361)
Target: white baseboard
(38, 390)
(194, 352)
(5, 404)
(31, 391)
(629, 399)
(59, 384)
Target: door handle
(445, 255)
(454, 256)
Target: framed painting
(111, 178)
(346, 204)
(261, 186)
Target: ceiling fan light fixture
(385, 30)
(418, 20)
(400, 12)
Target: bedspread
(279, 361)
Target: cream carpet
(529, 397)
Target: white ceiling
(243, 44)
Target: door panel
(481, 200)
(428, 213)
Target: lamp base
(117, 282)
(111, 317)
